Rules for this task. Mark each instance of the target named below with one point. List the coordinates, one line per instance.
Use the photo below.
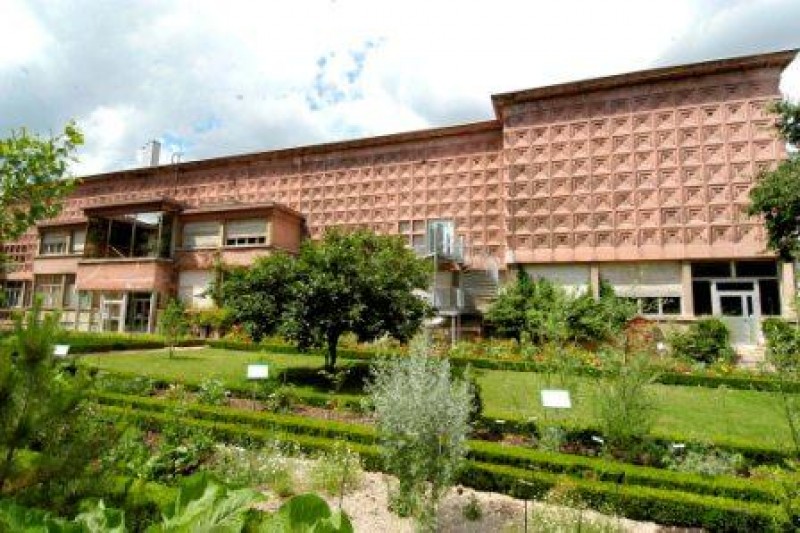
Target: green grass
(194, 365)
(696, 413)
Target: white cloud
(212, 78)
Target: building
(641, 179)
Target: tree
(43, 408)
(173, 323)
(257, 297)
(508, 313)
(355, 282)
(776, 195)
(33, 178)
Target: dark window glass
(650, 306)
(735, 286)
(711, 270)
(770, 297)
(671, 305)
(701, 297)
(756, 269)
(731, 305)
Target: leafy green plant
(706, 341)
(337, 471)
(212, 392)
(204, 504)
(625, 407)
(706, 461)
(173, 324)
(268, 466)
(423, 422)
(472, 510)
(307, 513)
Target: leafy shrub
(212, 392)
(422, 421)
(783, 345)
(472, 510)
(138, 385)
(336, 471)
(706, 341)
(308, 512)
(625, 407)
(705, 461)
(266, 466)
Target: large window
(759, 276)
(55, 290)
(12, 291)
(54, 243)
(249, 232)
(201, 235)
(147, 234)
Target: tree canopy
(776, 195)
(33, 177)
(355, 282)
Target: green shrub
(212, 392)
(783, 345)
(706, 341)
(337, 471)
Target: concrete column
(594, 280)
(151, 318)
(787, 288)
(77, 323)
(687, 297)
(123, 312)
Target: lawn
(697, 413)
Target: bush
(706, 341)
(423, 422)
(212, 392)
(783, 345)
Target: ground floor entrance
(122, 312)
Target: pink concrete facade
(653, 166)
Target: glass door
(111, 314)
(138, 312)
(737, 305)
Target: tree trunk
(330, 357)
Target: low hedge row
(738, 382)
(487, 452)
(668, 507)
(85, 343)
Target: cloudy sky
(211, 78)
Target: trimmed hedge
(84, 343)
(668, 507)
(583, 467)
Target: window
(201, 235)
(145, 234)
(54, 243)
(70, 291)
(250, 232)
(770, 297)
(701, 291)
(78, 241)
(13, 294)
(711, 270)
(659, 305)
(49, 288)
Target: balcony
(445, 250)
(450, 300)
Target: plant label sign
(61, 350)
(257, 371)
(556, 399)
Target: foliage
(547, 313)
(307, 513)
(357, 282)
(32, 178)
(203, 504)
(625, 406)
(783, 353)
(173, 323)
(705, 461)
(472, 510)
(354, 282)
(423, 422)
(337, 471)
(256, 297)
(212, 392)
(266, 466)
(706, 341)
(96, 519)
(776, 195)
(43, 408)
(214, 319)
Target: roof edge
(674, 72)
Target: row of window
(250, 232)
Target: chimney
(151, 153)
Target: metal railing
(451, 299)
(449, 250)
